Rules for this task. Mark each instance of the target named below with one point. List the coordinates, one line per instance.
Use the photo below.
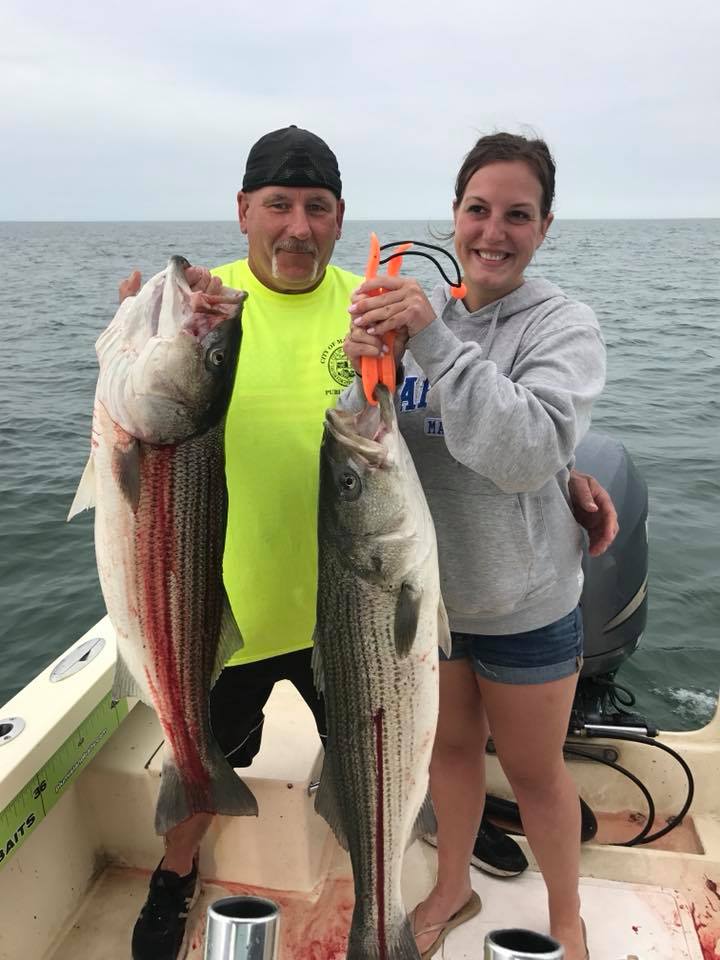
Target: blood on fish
(153, 539)
(379, 833)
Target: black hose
(644, 836)
(674, 821)
(574, 750)
(614, 690)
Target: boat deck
(75, 888)
(623, 920)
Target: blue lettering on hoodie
(422, 402)
(409, 394)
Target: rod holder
(521, 945)
(10, 727)
(242, 928)
(78, 658)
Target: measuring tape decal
(39, 796)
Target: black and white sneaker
(159, 932)
(494, 852)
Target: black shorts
(241, 692)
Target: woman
(513, 370)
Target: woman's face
(498, 228)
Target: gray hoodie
(492, 406)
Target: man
(291, 368)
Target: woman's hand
(402, 304)
(358, 344)
(594, 510)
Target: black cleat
(159, 932)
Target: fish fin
(316, 663)
(85, 494)
(407, 614)
(126, 469)
(444, 637)
(227, 795)
(125, 684)
(229, 641)
(326, 800)
(425, 822)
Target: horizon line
(347, 219)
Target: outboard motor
(614, 597)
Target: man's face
(291, 234)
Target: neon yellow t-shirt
(291, 369)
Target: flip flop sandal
(584, 933)
(471, 908)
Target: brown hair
(510, 146)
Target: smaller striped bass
(380, 617)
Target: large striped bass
(156, 477)
(380, 618)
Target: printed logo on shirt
(413, 395)
(433, 427)
(338, 365)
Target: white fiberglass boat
(79, 779)
(78, 787)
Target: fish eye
(217, 357)
(350, 485)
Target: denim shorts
(537, 656)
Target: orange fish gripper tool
(380, 369)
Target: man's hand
(130, 286)
(593, 509)
(199, 279)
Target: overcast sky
(135, 111)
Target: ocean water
(655, 286)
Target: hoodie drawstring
(487, 343)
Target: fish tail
(231, 796)
(364, 942)
(225, 793)
(173, 805)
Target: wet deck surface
(623, 920)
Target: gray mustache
(296, 246)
